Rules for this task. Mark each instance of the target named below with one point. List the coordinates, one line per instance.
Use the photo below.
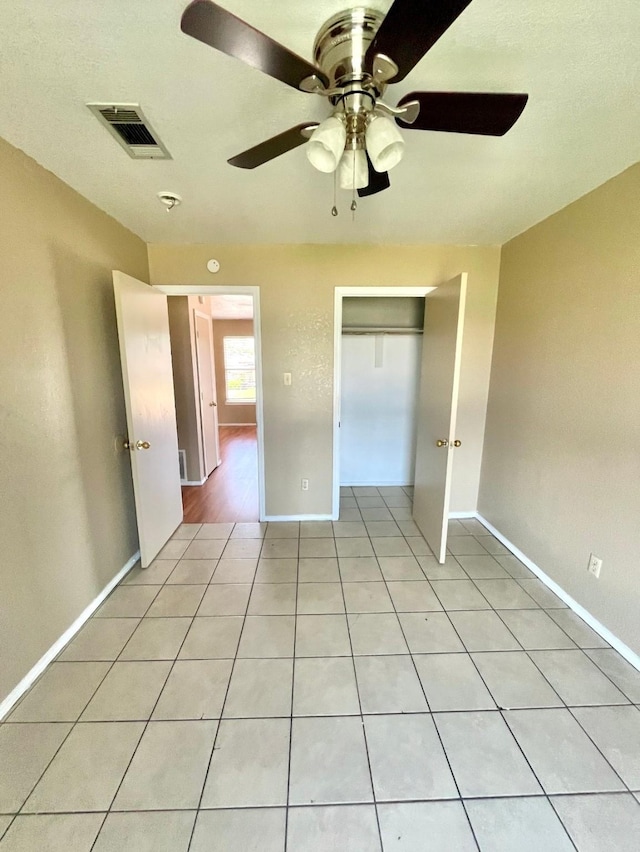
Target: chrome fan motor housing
(341, 45)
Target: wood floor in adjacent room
(231, 492)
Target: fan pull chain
(354, 205)
(334, 209)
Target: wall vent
(128, 125)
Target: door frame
(201, 315)
(339, 295)
(220, 290)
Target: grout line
(293, 686)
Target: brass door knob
(212, 404)
(443, 443)
(457, 443)
(142, 445)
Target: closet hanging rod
(382, 330)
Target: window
(239, 370)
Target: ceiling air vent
(127, 124)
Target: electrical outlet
(594, 566)
(305, 485)
(287, 379)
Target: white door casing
(207, 395)
(145, 354)
(437, 410)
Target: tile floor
(318, 687)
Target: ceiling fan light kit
(357, 54)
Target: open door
(145, 355)
(207, 391)
(437, 411)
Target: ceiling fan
(357, 54)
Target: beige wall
(561, 472)
(222, 329)
(67, 518)
(296, 295)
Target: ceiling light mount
(170, 200)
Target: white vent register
(129, 126)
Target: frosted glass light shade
(385, 144)
(326, 145)
(353, 163)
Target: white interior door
(145, 354)
(437, 410)
(207, 392)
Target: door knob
(457, 443)
(443, 443)
(212, 404)
(142, 445)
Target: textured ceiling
(577, 59)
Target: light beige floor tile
(350, 514)
(316, 529)
(249, 830)
(370, 502)
(377, 633)
(560, 753)
(526, 824)
(367, 597)
(212, 637)
(325, 686)
(317, 548)
(99, 639)
(174, 549)
(250, 764)
(277, 571)
(225, 599)
(616, 732)
(514, 681)
(389, 684)
(407, 759)
(267, 636)
(273, 599)
(53, 833)
(359, 568)
(409, 529)
(193, 572)
(451, 570)
(482, 567)
(514, 567)
(169, 767)
(429, 633)
(128, 602)
(204, 549)
(177, 601)
(72, 782)
(493, 545)
(505, 594)
(419, 546)
(405, 825)
(351, 827)
(576, 679)
(159, 831)
(401, 501)
(600, 822)
(25, 752)
(390, 546)
(473, 526)
(235, 571)
(455, 527)
(382, 529)
(61, 694)
(128, 693)
(347, 504)
(451, 682)
(414, 596)
(196, 689)
(464, 545)
(483, 631)
(622, 673)
(376, 514)
(484, 756)
(365, 491)
(260, 689)
(320, 598)
(156, 639)
(322, 636)
(535, 630)
(400, 568)
(283, 529)
(349, 529)
(242, 548)
(155, 575)
(318, 570)
(280, 548)
(541, 594)
(214, 531)
(459, 595)
(249, 531)
(401, 513)
(187, 531)
(581, 633)
(5, 822)
(351, 547)
(328, 761)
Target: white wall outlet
(594, 566)
(305, 485)
(287, 378)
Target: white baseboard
(193, 481)
(278, 518)
(66, 637)
(455, 516)
(238, 424)
(624, 650)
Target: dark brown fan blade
(410, 29)
(218, 28)
(272, 148)
(465, 112)
(377, 181)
